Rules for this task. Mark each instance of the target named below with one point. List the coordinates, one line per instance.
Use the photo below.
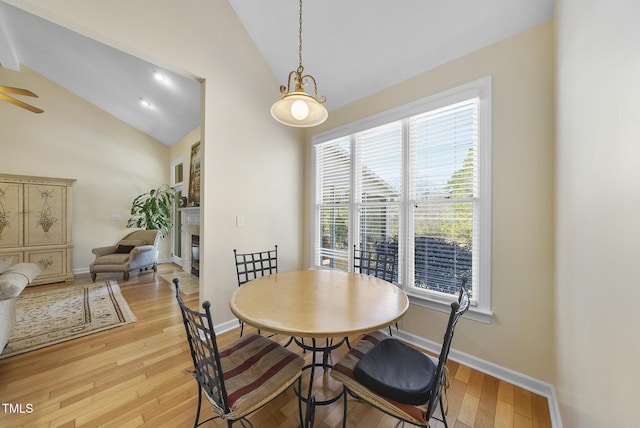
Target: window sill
(474, 313)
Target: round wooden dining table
(319, 303)
(315, 304)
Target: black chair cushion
(397, 371)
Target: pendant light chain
(300, 67)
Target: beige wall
(519, 336)
(598, 200)
(252, 166)
(112, 162)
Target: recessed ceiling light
(160, 77)
(145, 103)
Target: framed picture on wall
(194, 176)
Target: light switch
(239, 221)
(116, 217)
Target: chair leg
(444, 417)
(126, 276)
(93, 276)
(199, 405)
(311, 413)
(302, 422)
(344, 410)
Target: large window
(415, 179)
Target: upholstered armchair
(137, 250)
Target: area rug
(50, 316)
(189, 284)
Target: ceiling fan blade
(18, 91)
(20, 103)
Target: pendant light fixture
(296, 107)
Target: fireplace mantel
(191, 215)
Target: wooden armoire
(35, 224)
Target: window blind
(379, 163)
(443, 182)
(378, 186)
(333, 198)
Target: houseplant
(152, 210)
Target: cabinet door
(53, 263)
(18, 255)
(45, 219)
(11, 217)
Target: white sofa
(12, 282)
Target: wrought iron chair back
(381, 263)
(458, 308)
(207, 369)
(250, 266)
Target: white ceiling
(353, 48)
(357, 47)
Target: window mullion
(405, 247)
(356, 188)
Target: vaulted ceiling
(357, 47)
(110, 79)
(353, 48)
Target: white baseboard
(226, 326)
(86, 269)
(523, 381)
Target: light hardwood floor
(137, 375)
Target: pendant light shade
(298, 108)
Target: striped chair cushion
(343, 372)
(256, 370)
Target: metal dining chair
(396, 378)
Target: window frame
(481, 89)
(178, 187)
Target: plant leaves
(152, 210)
